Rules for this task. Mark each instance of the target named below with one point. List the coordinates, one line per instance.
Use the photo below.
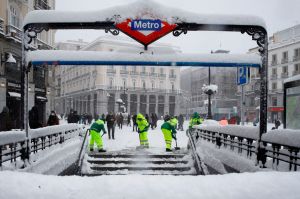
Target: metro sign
(145, 31)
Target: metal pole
(209, 114)
(242, 106)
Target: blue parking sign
(242, 75)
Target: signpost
(243, 74)
(145, 31)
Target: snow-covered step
(141, 168)
(101, 155)
(142, 161)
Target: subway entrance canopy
(146, 22)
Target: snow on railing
(12, 143)
(278, 148)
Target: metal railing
(111, 71)
(243, 140)
(273, 63)
(296, 72)
(274, 76)
(14, 32)
(284, 61)
(124, 72)
(1, 26)
(172, 76)
(84, 145)
(296, 58)
(284, 75)
(13, 143)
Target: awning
(41, 98)
(14, 94)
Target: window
(285, 69)
(172, 72)
(172, 86)
(274, 101)
(124, 67)
(144, 85)
(124, 83)
(153, 85)
(297, 67)
(274, 59)
(161, 71)
(134, 83)
(152, 70)
(143, 69)
(14, 16)
(274, 86)
(297, 52)
(111, 81)
(274, 71)
(285, 55)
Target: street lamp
(209, 90)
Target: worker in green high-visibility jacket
(95, 132)
(195, 120)
(169, 131)
(143, 127)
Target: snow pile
(285, 137)
(9, 137)
(50, 130)
(235, 130)
(262, 185)
(210, 123)
(140, 9)
(217, 158)
(211, 87)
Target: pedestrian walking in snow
(34, 118)
(5, 120)
(143, 127)
(53, 119)
(95, 132)
(169, 131)
(110, 122)
(129, 120)
(180, 122)
(134, 124)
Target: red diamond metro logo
(145, 31)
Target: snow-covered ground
(260, 185)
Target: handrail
(198, 162)
(82, 152)
(275, 145)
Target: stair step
(140, 168)
(98, 155)
(97, 173)
(100, 161)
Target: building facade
(284, 62)
(224, 102)
(12, 13)
(96, 90)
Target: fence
(13, 143)
(277, 146)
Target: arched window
(14, 16)
(144, 85)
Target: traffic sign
(243, 74)
(145, 31)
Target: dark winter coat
(53, 120)
(110, 119)
(34, 118)
(5, 120)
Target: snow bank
(9, 137)
(140, 9)
(118, 58)
(240, 131)
(262, 185)
(283, 136)
(34, 133)
(54, 160)
(216, 158)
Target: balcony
(144, 73)
(296, 72)
(134, 73)
(43, 45)
(123, 72)
(111, 71)
(284, 61)
(172, 76)
(153, 74)
(41, 5)
(274, 62)
(296, 58)
(1, 26)
(273, 76)
(284, 75)
(14, 32)
(162, 75)
(12, 72)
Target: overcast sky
(278, 14)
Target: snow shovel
(176, 147)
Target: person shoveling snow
(169, 131)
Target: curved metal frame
(258, 33)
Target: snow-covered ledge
(61, 57)
(137, 10)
